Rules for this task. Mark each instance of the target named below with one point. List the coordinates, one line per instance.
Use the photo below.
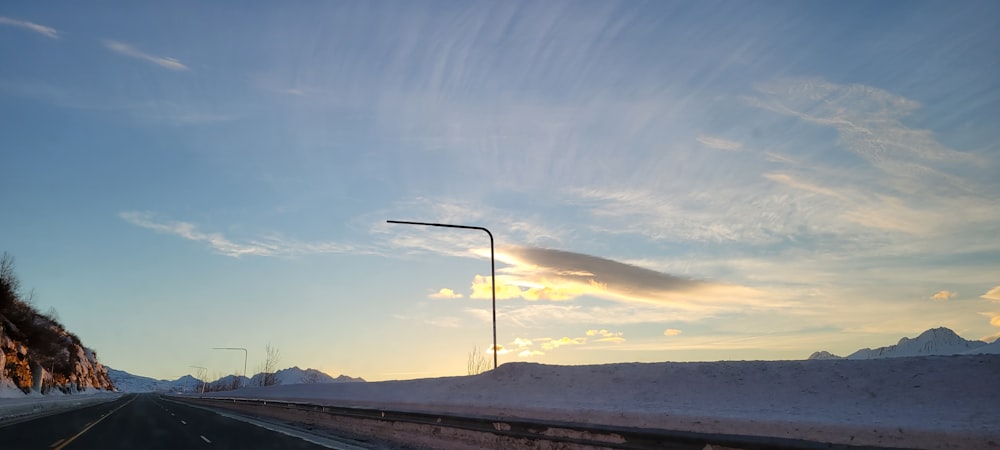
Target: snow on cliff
(70, 369)
(38, 354)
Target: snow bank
(14, 403)
(899, 401)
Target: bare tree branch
(477, 362)
(270, 365)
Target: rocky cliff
(36, 352)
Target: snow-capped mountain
(824, 355)
(126, 382)
(295, 375)
(936, 341)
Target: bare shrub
(477, 362)
(271, 358)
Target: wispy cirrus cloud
(130, 51)
(504, 225)
(166, 112)
(874, 212)
(895, 188)
(795, 183)
(719, 143)
(723, 215)
(37, 28)
(264, 246)
(869, 122)
(190, 232)
(181, 117)
(910, 177)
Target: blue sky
(665, 180)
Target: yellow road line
(67, 441)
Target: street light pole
(493, 270)
(245, 353)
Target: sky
(664, 181)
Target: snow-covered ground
(14, 403)
(922, 402)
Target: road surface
(146, 421)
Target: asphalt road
(143, 421)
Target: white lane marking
(70, 440)
(205, 439)
(183, 423)
(323, 441)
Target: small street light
(493, 270)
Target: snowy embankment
(922, 402)
(14, 403)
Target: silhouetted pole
(245, 353)
(493, 271)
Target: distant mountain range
(127, 382)
(936, 341)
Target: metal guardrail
(565, 433)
